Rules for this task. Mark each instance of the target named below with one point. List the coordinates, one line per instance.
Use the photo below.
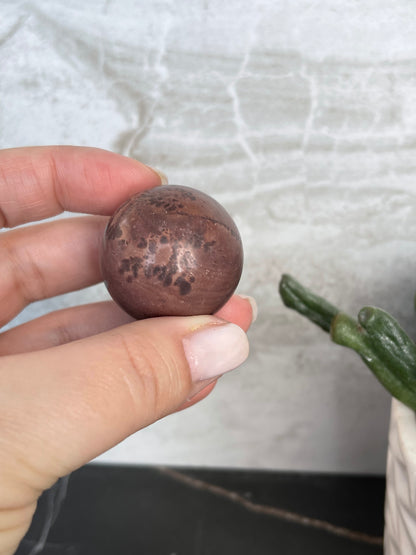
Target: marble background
(300, 117)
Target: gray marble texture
(300, 117)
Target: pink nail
(215, 350)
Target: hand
(76, 382)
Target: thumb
(65, 405)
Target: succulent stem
(377, 337)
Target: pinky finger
(62, 326)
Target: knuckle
(60, 335)
(23, 269)
(152, 375)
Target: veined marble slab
(300, 117)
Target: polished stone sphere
(171, 251)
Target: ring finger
(71, 324)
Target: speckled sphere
(171, 251)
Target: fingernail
(163, 178)
(215, 350)
(254, 308)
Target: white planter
(400, 507)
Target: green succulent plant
(375, 335)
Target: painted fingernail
(163, 178)
(253, 304)
(215, 350)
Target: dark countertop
(164, 511)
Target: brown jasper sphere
(171, 251)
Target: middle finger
(48, 259)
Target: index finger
(40, 182)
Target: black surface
(148, 511)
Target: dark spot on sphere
(171, 251)
(167, 280)
(184, 286)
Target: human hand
(78, 381)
